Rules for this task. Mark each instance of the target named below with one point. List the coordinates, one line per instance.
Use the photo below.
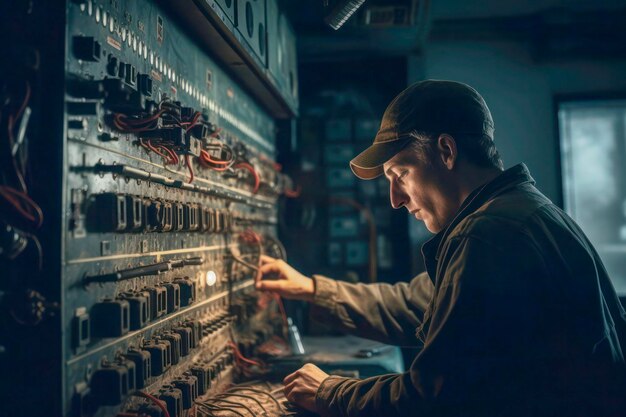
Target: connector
(139, 309)
(186, 334)
(188, 385)
(110, 318)
(158, 301)
(187, 291)
(173, 397)
(109, 385)
(142, 361)
(175, 341)
(159, 356)
(173, 296)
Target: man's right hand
(285, 281)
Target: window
(593, 156)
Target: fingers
(267, 259)
(270, 285)
(291, 377)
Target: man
(515, 315)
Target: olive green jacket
(515, 316)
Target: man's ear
(448, 152)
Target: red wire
(207, 156)
(293, 193)
(243, 358)
(189, 167)
(250, 168)
(155, 400)
(25, 202)
(174, 157)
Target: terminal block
(159, 356)
(143, 371)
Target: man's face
(425, 186)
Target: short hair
(477, 149)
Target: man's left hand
(301, 386)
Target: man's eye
(402, 175)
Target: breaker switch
(159, 356)
(109, 385)
(158, 301)
(202, 375)
(188, 385)
(185, 335)
(86, 48)
(107, 213)
(139, 309)
(173, 398)
(175, 341)
(134, 213)
(187, 291)
(173, 296)
(143, 370)
(110, 318)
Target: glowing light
(211, 278)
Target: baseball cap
(433, 106)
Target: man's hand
(301, 386)
(286, 282)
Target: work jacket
(514, 316)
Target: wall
(520, 93)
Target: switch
(159, 356)
(196, 332)
(81, 324)
(187, 291)
(145, 84)
(107, 213)
(173, 296)
(186, 335)
(143, 370)
(110, 318)
(109, 385)
(202, 375)
(130, 74)
(139, 309)
(188, 385)
(158, 301)
(179, 216)
(113, 66)
(173, 398)
(206, 220)
(191, 217)
(132, 373)
(175, 341)
(86, 48)
(134, 213)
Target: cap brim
(369, 164)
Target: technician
(515, 314)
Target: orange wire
(250, 168)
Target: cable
(293, 193)
(221, 396)
(213, 407)
(234, 404)
(23, 205)
(155, 400)
(250, 168)
(189, 167)
(258, 391)
(238, 355)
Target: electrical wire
(248, 397)
(155, 400)
(258, 391)
(25, 206)
(255, 175)
(212, 407)
(293, 193)
(239, 355)
(189, 167)
(234, 404)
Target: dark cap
(431, 106)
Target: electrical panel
(167, 197)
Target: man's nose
(397, 196)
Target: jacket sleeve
(382, 312)
(469, 340)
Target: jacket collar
(512, 177)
